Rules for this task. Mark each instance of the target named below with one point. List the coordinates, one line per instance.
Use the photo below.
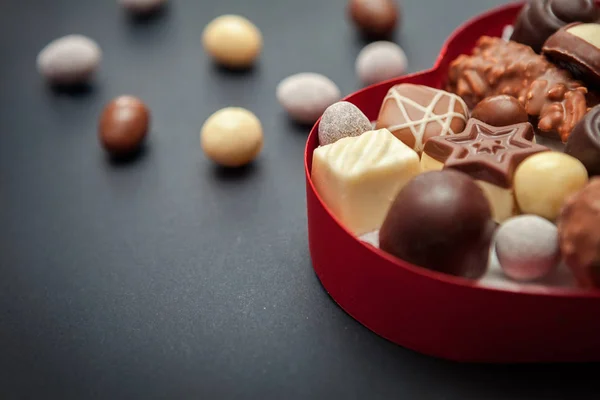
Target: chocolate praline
(584, 142)
(541, 18)
(501, 110)
(579, 234)
(440, 221)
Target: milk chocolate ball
(442, 221)
(374, 18)
(123, 125)
(501, 110)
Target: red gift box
(434, 313)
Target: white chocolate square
(358, 178)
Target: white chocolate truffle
(69, 60)
(232, 137)
(380, 61)
(340, 120)
(306, 96)
(232, 41)
(142, 6)
(527, 247)
(545, 180)
(359, 177)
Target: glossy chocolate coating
(374, 18)
(123, 125)
(541, 18)
(579, 234)
(501, 110)
(572, 48)
(442, 221)
(549, 94)
(484, 152)
(584, 142)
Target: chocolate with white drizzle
(415, 113)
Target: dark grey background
(167, 277)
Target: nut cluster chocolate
(546, 91)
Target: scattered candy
(500, 110)
(442, 221)
(576, 48)
(380, 61)
(544, 181)
(375, 18)
(142, 6)
(340, 120)
(584, 142)
(527, 247)
(69, 60)
(358, 177)
(541, 18)
(489, 155)
(579, 233)
(232, 137)
(306, 96)
(124, 124)
(233, 41)
(415, 113)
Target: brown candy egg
(123, 125)
(375, 18)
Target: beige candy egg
(545, 180)
(232, 137)
(232, 41)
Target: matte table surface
(167, 277)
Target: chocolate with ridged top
(584, 142)
(541, 18)
(441, 221)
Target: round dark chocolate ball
(501, 110)
(584, 141)
(374, 18)
(442, 221)
(123, 126)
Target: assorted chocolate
(490, 155)
(576, 47)
(584, 142)
(374, 18)
(123, 126)
(578, 227)
(416, 113)
(539, 19)
(442, 221)
(549, 94)
(450, 177)
(359, 177)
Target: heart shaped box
(433, 313)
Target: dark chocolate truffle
(442, 221)
(584, 142)
(541, 18)
(576, 47)
(579, 234)
(123, 125)
(501, 110)
(374, 18)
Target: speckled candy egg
(69, 60)
(306, 96)
(340, 120)
(380, 61)
(527, 247)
